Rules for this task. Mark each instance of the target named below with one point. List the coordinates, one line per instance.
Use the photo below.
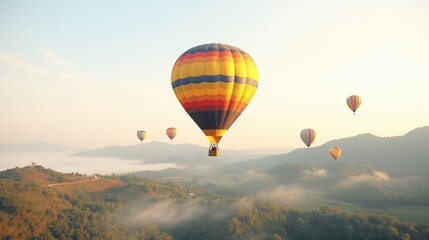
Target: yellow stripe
(207, 59)
(238, 68)
(214, 135)
(197, 69)
(175, 74)
(251, 92)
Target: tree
(236, 228)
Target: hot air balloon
(308, 136)
(141, 135)
(171, 132)
(214, 83)
(354, 102)
(335, 152)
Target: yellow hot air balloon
(308, 136)
(171, 132)
(214, 83)
(335, 152)
(141, 135)
(354, 102)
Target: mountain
(37, 147)
(401, 155)
(183, 154)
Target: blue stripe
(212, 79)
(218, 47)
(211, 120)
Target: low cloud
(376, 176)
(315, 173)
(286, 193)
(381, 175)
(167, 213)
(255, 175)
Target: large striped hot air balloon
(335, 152)
(141, 135)
(354, 102)
(308, 136)
(214, 83)
(171, 132)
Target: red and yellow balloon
(335, 152)
(214, 83)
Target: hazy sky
(93, 73)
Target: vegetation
(130, 207)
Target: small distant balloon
(308, 136)
(141, 135)
(171, 132)
(335, 152)
(354, 102)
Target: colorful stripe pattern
(335, 152)
(214, 83)
(354, 102)
(308, 136)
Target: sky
(92, 73)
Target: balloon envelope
(308, 136)
(335, 152)
(171, 132)
(354, 102)
(214, 83)
(141, 135)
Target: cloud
(20, 63)
(53, 57)
(381, 175)
(376, 176)
(251, 175)
(286, 193)
(315, 173)
(168, 212)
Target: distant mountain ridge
(183, 154)
(399, 154)
(37, 147)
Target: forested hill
(401, 155)
(113, 207)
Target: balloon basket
(214, 153)
(214, 150)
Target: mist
(315, 173)
(66, 163)
(166, 213)
(376, 176)
(286, 193)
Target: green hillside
(130, 207)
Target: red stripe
(208, 103)
(203, 54)
(214, 105)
